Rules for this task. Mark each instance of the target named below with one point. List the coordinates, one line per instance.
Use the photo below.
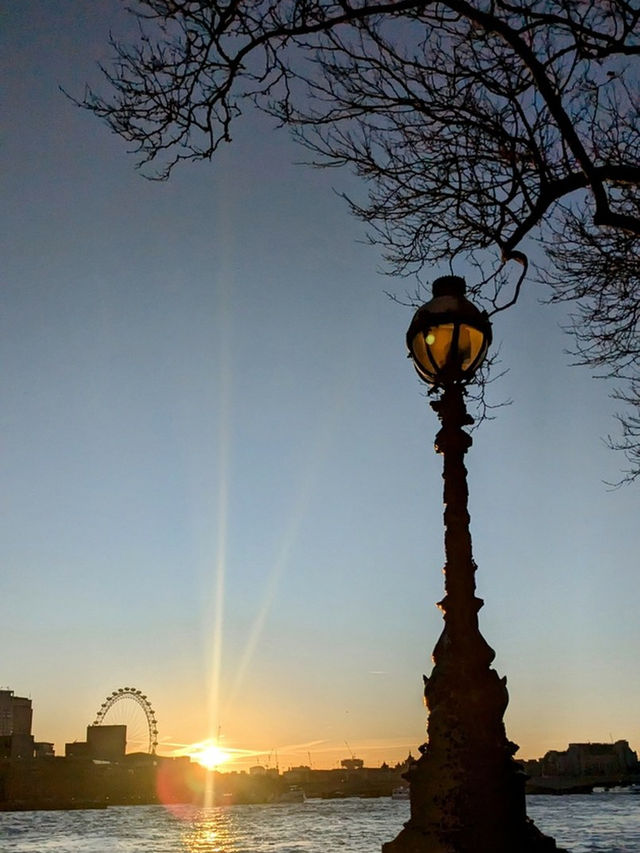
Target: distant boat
(400, 793)
(293, 795)
(633, 788)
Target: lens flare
(209, 755)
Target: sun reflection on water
(210, 831)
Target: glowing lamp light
(448, 337)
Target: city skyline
(219, 477)
(138, 735)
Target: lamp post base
(467, 791)
(412, 840)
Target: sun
(210, 755)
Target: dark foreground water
(598, 823)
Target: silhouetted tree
(482, 128)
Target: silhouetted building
(297, 775)
(587, 759)
(6, 712)
(16, 714)
(43, 749)
(104, 743)
(107, 743)
(77, 749)
(352, 763)
(403, 766)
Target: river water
(596, 823)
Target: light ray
(224, 449)
(269, 595)
(316, 456)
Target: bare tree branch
(481, 128)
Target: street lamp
(466, 789)
(448, 337)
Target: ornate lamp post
(466, 789)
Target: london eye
(130, 707)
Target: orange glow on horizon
(316, 754)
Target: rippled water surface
(591, 823)
(599, 823)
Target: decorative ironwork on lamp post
(466, 789)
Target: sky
(218, 477)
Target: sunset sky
(218, 477)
